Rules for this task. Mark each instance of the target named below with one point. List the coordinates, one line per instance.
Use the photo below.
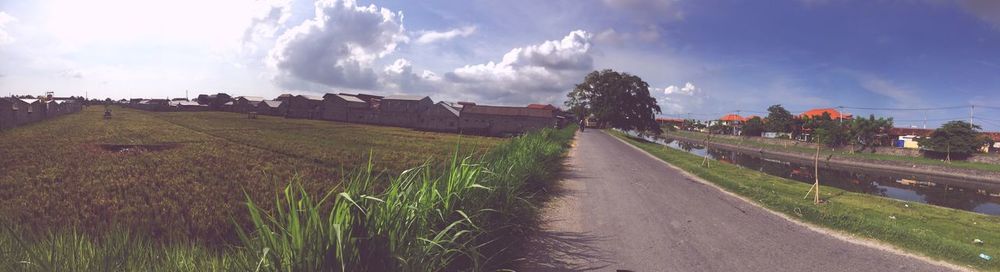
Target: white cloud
(267, 22)
(901, 95)
(534, 73)
(5, 19)
(434, 36)
(338, 46)
(678, 100)
(649, 10)
(987, 10)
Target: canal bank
(968, 177)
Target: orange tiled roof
(834, 114)
(732, 117)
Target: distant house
(543, 107)
(907, 137)
(367, 115)
(499, 120)
(214, 101)
(270, 107)
(403, 110)
(732, 119)
(29, 110)
(304, 106)
(228, 106)
(834, 114)
(183, 105)
(338, 107)
(245, 104)
(676, 122)
(6, 114)
(284, 97)
(443, 116)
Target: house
(214, 101)
(501, 120)
(52, 108)
(245, 104)
(183, 105)
(732, 119)
(543, 107)
(228, 106)
(676, 122)
(337, 107)
(304, 106)
(907, 137)
(28, 110)
(403, 110)
(368, 115)
(270, 107)
(284, 97)
(6, 114)
(443, 117)
(834, 114)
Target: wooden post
(816, 174)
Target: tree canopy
(779, 119)
(865, 131)
(754, 127)
(618, 100)
(955, 137)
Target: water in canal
(887, 185)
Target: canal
(927, 190)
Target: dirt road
(620, 209)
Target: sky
(702, 59)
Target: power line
(906, 109)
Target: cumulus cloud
(901, 95)
(680, 99)
(987, 10)
(338, 46)
(650, 33)
(268, 21)
(5, 20)
(649, 10)
(534, 73)
(435, 36)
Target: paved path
(619, 209)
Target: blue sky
(702, 58)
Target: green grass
(844, 152)
(940, 233)
(54, 173)
(444, 215)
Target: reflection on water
(887, 185)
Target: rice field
(186, 176)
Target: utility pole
(925, 119)
(972, 115)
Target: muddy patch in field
(137, 148)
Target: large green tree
(954, 138)
(753, 127)
(779, 119)
(865, 131)
(618, 100)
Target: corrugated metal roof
(253, 98)
(29, 101)
(507, 111)
(447, 106)
(404, 97)
(311, 97)
(349, 98)
(271, 103)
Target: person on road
(582, 125)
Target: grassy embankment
(844, 152)
(940, 233)
(455, 214)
